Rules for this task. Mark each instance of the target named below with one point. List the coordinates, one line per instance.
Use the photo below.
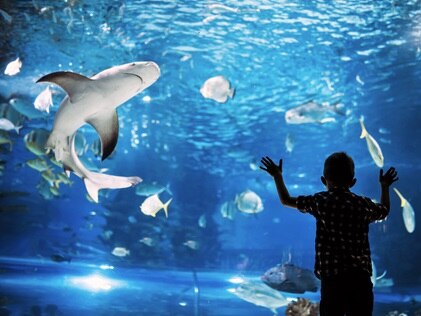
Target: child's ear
(353, 182)
(323, 180)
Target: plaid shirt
(342, 220)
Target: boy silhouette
(343, 261)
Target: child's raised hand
(389, 177)
(270, 167)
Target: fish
(153, 205)
(249, 202)
(202, 221)
(148, 241)
(6, 16)
(289, 143)
(217, 88)
(258, 293)
(192, 244)
(290, 278)
(38, 164)
(35, 141)
(120, 252)
(408, 213)
(5, 139)
(13, 67)
(312, 112)
(150, 188)
(228, 210)
(94, 101)
(44, 100)
(25, 108)
(372, 145)
(60, 258)
(7, 125)
(374, 277)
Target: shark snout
(153, 69)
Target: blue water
(277, 55)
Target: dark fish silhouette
(289, 278)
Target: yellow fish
(153, 205)
(408, 213)
(372, 145)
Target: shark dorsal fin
(106, 125)
(70, 82)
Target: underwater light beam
(94, 283)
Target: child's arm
(386, 181)
(276, 172)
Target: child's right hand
(270, 167)
(389, 177)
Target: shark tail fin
(98, 181)
(364, 132)
(166, 207)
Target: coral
(302, 307)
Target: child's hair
(339, 169)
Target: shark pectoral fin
(92, 189)
(74, 84)
(106, 124)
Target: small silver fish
(7, 125)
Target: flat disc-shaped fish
(249, 202)
(218, 89)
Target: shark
(94, 101)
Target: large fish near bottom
(94, 101)
(290, 278)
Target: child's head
(339, 170)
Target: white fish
(408, 213)
(289, 143)
(13, 67)
(260, 294)
(202, 221)
(7, 125)
(228, 210)
(249, 202)
(218, 89)
(312, 112)
(148, 241)
(120, 252)
(372, 145)
(192, 244)
(374, 278)
(44, 100)
(217, 6)
(153, 205)
(94, 100)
